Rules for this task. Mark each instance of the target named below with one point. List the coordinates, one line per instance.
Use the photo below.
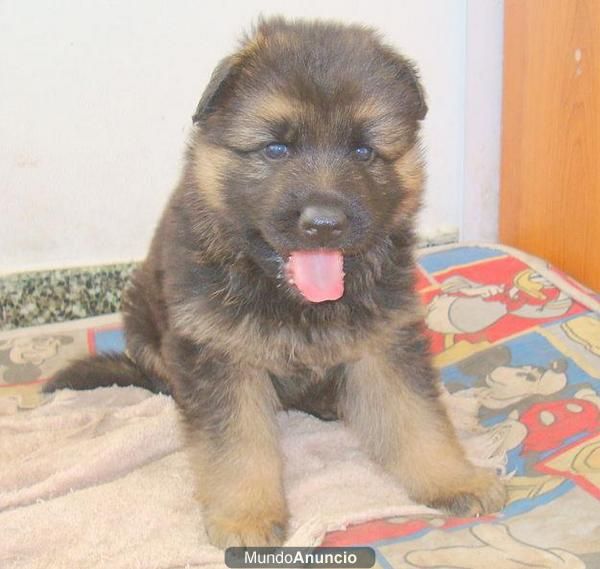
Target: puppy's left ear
(220, 82)
(409, 75)
(411, 91)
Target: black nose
(322, 223)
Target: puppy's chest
(283, 342)
(308, 352)
(283, 348)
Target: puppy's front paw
(481, 492)
(246, 530)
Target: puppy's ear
(411, 91)
(220, 81)
(409, 75)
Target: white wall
(483, 106)
(96, 98)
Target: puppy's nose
(322, 223)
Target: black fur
(104, 370)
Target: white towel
(99, 479)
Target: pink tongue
(319, 274)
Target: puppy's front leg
(391, 400)
(232, 433)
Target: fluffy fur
(212, 317)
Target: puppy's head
(307, 144)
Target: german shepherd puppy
(282, 276)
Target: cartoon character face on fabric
(34, 350)
(501, 385)
(24, 356)
(507, 384)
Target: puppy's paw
(246, 530)
(480, 493)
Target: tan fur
(210, 162)
(383, 125)
(412, 175)
(282, 346)
(423, 452)
(258, 113)
(251, 46)
(150, 358)
(247, 509)
(277, 107)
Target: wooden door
(550, 181)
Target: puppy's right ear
(220, 81)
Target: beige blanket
(99, 479)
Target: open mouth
(318, 274)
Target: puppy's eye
(363, 153)
(276, 150)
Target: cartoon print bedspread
(507, 330)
